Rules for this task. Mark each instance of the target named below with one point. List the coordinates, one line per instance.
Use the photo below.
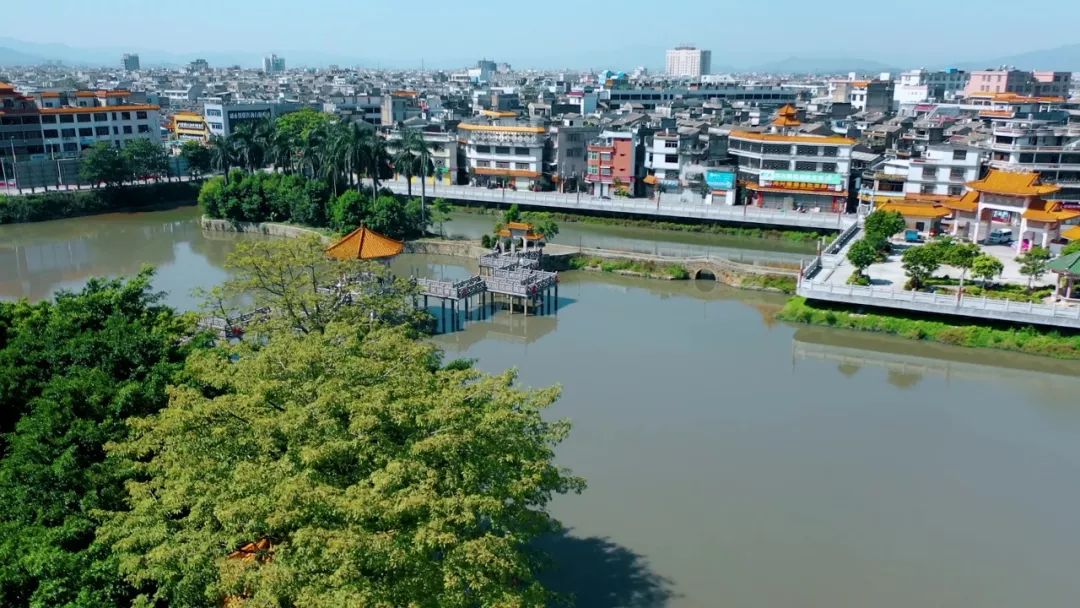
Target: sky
(554, 33)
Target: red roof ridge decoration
(365, 244)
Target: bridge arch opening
(704, 274)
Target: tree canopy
(71, 372)
(883, 224)
(377, 475)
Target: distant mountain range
(17, 52)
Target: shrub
(54, 205)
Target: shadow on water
(597, 573)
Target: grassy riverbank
(808, 237)
(60, 204)
(1025, 340)
(648, 269)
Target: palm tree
(377, 158)
(222, 154)
(415, 152)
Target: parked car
(1000, 236)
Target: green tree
(1072, 247)
(379, 476)
(348, 211)
(862, 255)
(513, 214)
(102, 163)
(414, 154)
(1033, 263)
(290, 277)
(543, 224)
(986, 267)
(920, 264)
(222, 155)
(441, 211)
(145, 159)
(883, 224)
(71, 372)
(197, 156)
(388, 216)
(296, 127)
(959, 255)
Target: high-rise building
(688, 61)
(273, 64)
(131, 61)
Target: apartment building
(1043, 142)
(919, 86)
(664, 159)
(504, 152)
(613, 163)
(399, 106)
(942, 170)
(444, 153)
(688, 61)
(569, 142)
(72, 121)
(872, 95)
(650, 98)
(190, 126)
(20, 125)
(223, 118)
(1008, 80)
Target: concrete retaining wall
(267, 228)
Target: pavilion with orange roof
(365, 244)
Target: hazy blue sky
(575, 33)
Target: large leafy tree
(306, 291)
(71, 372)
(862, 255)
(986, 267)
(883, 224)
(145, 159)
(103, 163)
(375, 475)
(920, 263)
(197, 156)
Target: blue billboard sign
(720, 180)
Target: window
(956, 174)
(671, 158)
(594, 169)
(71, 147)
(67, 132)
(51, 133)
(830, 152)
(522, 166)
(502, 150)
(956, 190)
(521, 151)
(502, 164)
(101, 117)
(127, 129)
(125, 115)
(144, 128)
(82, 117)
(483, 149)
(86, 132)
(959, 155)
(483, 163)
(116, 130)
(927, 189)
(67, 118)
(102, 131)
(48, 119)
(141, 115)
(828, 167)
(210, 112)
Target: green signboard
(803, 177)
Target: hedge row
(60, 204)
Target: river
(731, 460)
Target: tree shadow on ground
(597, 573)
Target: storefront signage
(802, 177)
(720, 180)
(238, 115)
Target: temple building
(365, 244)
(521, 231)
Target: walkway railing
(978, 307)
(667, 207)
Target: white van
(1000, 236)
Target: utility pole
(14, 165)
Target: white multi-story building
(919, 86)
(72, 122)
(1044, 143)
(943, 170)
(688, 61)
(504, 152)
(662, 158)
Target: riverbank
(807, 237)
(62, 204)
(1027, 340)
(264, 228)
